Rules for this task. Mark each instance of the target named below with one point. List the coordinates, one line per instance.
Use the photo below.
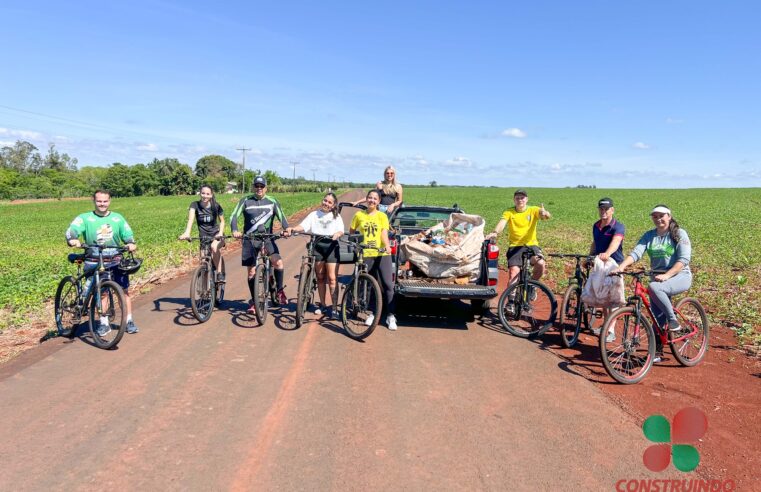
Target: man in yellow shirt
(521, 221)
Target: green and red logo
(674, 439)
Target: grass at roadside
(723, 226)
(33, 250)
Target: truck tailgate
(416, 288)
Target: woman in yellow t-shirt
(373, 224)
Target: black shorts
(326, 250)
(251, 250)
(515, 254)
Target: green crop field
(33, 249)
(723, 225)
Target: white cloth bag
(601, 290)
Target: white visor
(660, 210)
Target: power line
(85, 125)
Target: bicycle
(91, 291)
(362, 301)
(573, 311)
(206, 289)
(307, 277)
(264, 276)
(527, 307)
(629, 356)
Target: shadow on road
(432, 313)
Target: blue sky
(543, 93)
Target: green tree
(118, 180)
(216, 166)
(183, 182)
(273, 180)
(164, 169)
(144, 180)
(8, 179)
(22, 156)
(60, 162)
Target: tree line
(25, 173)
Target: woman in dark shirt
(207, 212)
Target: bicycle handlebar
(205, 238)
(637, 274)
(571, 255)
(101, 247)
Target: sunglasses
(259, 186)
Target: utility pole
(314, 176)
(294, 169)
(244, 150)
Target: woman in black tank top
(210, 218)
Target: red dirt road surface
(444, 403)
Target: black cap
(259, 180)
(605, 203)
(520, 191)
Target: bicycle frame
(640, 298)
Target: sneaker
(391, 322)
(674, 327)
(335, 313)
(251, 309)
(658, 357)
(611, 337)
(221, 277)
(369, 320)
(281, 298)
(131, 328)
(103, 329)
(596, 331)
(317, 310)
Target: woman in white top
(324, 221)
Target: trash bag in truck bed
(451, 248)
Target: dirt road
(443, 403)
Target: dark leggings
(381, 268)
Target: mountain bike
(207, 288)
(629, 356)
(362, 302)
(91, 291)
(264, 276)
(307, 277)
(573, 311)
(527, 307)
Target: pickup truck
(409, 220)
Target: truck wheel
(480, 307)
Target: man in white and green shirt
(107, 228)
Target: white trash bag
(602, 290)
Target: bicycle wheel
(304, 293)
(524, 314)
(67, 312)
(202, 293)
(627, 346)
(361, 308)
(220, 294)
(261, 291)
(572, 313)
(690, 344)
(109, 305)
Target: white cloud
(514, 133)
(641, 145)
(6, 143)
(148, 147)
(24, 134)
